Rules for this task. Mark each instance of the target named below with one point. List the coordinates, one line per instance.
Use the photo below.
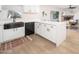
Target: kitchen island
(53, 31)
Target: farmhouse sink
(13, 25)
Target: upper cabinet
(31, 9)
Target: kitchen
(18, 21)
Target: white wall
(5, 8)
(19, 8)
(13, 7)
(3, 15)
(31, 12)
(76, 16)
(47, 9)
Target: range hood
(13, 14)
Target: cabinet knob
(51, 26)
(44, 24)
(48, 29)
(14, 29)
(38, 26)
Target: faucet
(14, 20)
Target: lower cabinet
(10, 34)
(1, 34)
(38, 28)
(53, 32)
(20, 32)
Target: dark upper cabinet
(29, 28)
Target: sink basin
(13, 25)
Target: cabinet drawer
(1, 33)
(51, 26)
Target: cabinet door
(19, 32)
(1, 33)
(51, 33)
(43, 29)
(37, 28)
(1, 36)
(11, 34)
(8, 34)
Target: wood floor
(41, 45)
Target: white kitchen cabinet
(51, 32)
(1, 34)
(38, 28)
(20, 32)
(10, 34)
(54, 32)
(43, 29)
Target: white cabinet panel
(8, 34)
(1, 33)
(19, 32)
(50, 32)
(0, 7)
(11, 34)
(36, 28)
(53, 32)
(44, 30)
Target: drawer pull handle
(48, 29)
(44, 24)
(51, 26)
(38, 26)
(14, 29)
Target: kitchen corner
(53, 31)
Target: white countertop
(25, 21)
(40, 21)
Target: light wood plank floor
(42, 45)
